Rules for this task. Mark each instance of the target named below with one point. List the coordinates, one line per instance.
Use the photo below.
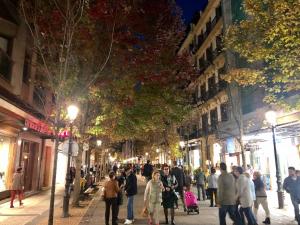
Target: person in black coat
(121, 182)
(292, 186)
(180, 177)
(130, 191)
(147, 171)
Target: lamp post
(72, 114)
(271, 118)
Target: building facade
(25, 137)
(226, 116)
(204, 42)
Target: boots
(267, 221)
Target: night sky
(190, 7)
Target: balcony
(5, 65)
(195, 134)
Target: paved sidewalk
(207, 216)
(33, 207)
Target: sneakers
(128, 221)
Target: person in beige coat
(17, 187)
(153, 197)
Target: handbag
(144, 212)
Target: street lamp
(271, 119)
(99, 143)
(72, 114)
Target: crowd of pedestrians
(237, 193)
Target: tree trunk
(52, 195)
(78, 162)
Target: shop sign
(39, 127)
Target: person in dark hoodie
(180, 177)
(130, 191)
(292, 186)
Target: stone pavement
(35, 211)
(207, 216)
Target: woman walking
(168, 196)
(261, 197)
(111, 189)
(153, 198)
(17, 187)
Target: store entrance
(28, 161)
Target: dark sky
(190, 7)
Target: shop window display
(4, 154)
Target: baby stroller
(191, 202)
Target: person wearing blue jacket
(292, 186)
(130, 191)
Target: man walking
(226, 196)
(212, 181)
(179, 175)
(147, 171)
(200, 182)
(243, 195)
(292, 186)
(130, 191)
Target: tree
(64, 40)
(269, 39)
(143, 96)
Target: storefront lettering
(42, 128)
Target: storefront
(7, 145)
(261, 150)
(24, 142)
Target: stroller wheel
(198, 211)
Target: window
(219, 11)
(204, 119)
(212, 87)
(214, 118)
(39, 97)
(203, 92)
(5, 61)
(26, 68)
(209, 53)
(224, 112)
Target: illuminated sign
(39, 127)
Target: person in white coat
(212, 185)
(244, 195)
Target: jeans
(130, 208)
(201, 186)
(249, 215)
(231, 210)
(111, 202)
(296, 207)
